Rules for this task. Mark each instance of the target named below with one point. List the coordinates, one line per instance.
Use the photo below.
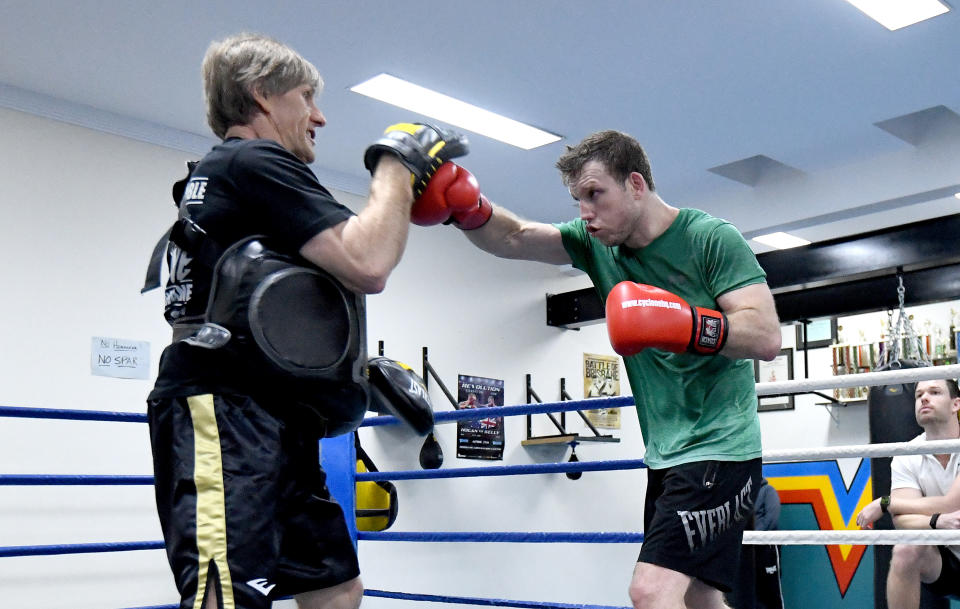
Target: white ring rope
(891, 449)
(852, 537)
(866, 379)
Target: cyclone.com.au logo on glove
(649, 302)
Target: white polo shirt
(924, 473)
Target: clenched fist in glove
(641, 316)
(475, 217)
(452, 189)
(421, 148)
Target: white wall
(81, 213)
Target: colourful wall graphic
(835, 506)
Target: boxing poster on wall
(601, 379)
(483, 438)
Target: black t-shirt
(241, 188)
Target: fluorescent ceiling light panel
(409, 96)
(895, 14)
(781, 241)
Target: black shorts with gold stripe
(243, 503)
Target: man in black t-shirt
(243, 505)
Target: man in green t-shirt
(688, 364)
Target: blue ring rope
(462, 600)
(490, 602)
(58, 480)
(504, 470)
(469, 414)
(447, 416)
(421, 536)
(439, 417)
(461, 472)
(80, 548)
(500, 537)
(76, 415)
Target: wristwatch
(933, 520)
(884, 503)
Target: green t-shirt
(690, 407)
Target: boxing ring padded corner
(338, 457)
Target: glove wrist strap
(709, 331)
(475, 226)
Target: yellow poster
(601, 379)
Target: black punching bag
(892, 419)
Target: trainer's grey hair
(236, 67)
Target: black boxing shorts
(243, 503)
(948, 584)
(694, 517)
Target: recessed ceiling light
(781, 241)
(421, 100)
(895, 14)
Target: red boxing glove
(641, 316)
(475, 217)
(451, 189)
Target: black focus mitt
(421, 148)
(395, 388)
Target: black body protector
(292, 317)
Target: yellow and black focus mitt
(396, 389)
(376, 500)
(420, 147)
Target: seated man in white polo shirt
(920, 498)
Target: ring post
(339, 460)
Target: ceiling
(796, 87)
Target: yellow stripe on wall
(211, 511)
(822, 483)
